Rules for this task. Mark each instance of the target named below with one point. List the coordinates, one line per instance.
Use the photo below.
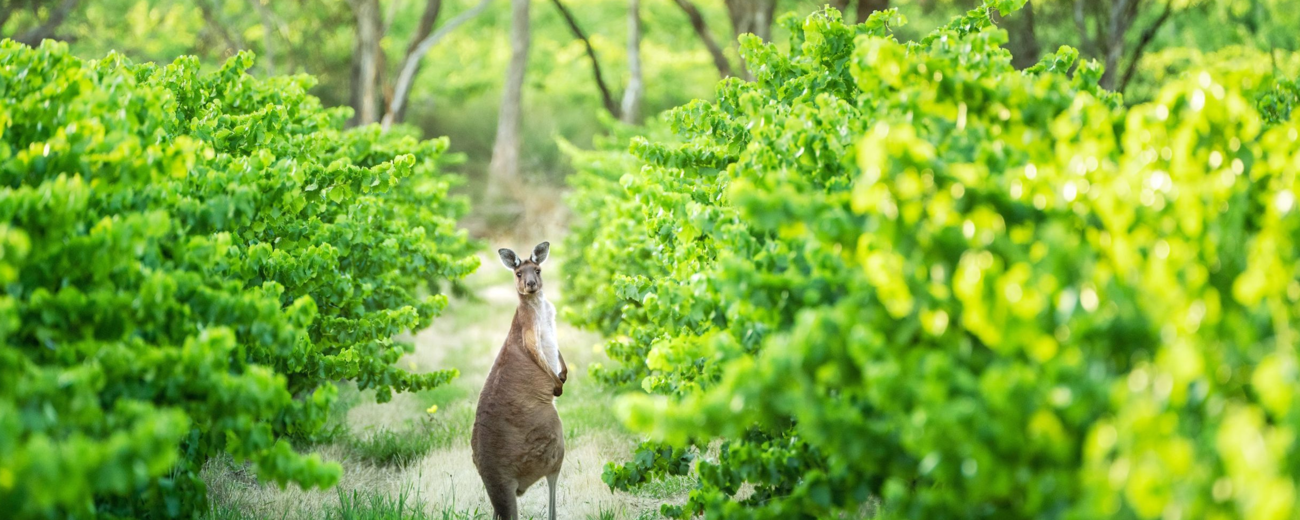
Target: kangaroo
(518, 438)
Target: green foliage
(189, 260)
(909, 271)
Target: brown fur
(518, 437)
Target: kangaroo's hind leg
(504, 504)
(550, 483)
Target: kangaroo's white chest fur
(548, 346)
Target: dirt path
(467, 337)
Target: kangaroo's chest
(546, 341)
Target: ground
(397, 453)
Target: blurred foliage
(912, 272)
(189, 260)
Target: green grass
(387, 447)
(359, 505)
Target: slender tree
(366, 61)
(1023, 38)
(631, 107)
(751, 17)
(503, 170)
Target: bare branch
(432, 9)
(407, 75)
(591, 53)
(697, 21)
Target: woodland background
(591, 63)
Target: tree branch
(591, 53)
(46, 30)
(407, 75)
(1145, 40)
(432, 9)
(702, 29)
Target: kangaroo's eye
(539, 271)
(519, 275)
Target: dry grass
(444, 480)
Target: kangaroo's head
(528, 273)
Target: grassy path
(398, 453)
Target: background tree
(1022, 40)
(863, 10)
(366, 60)
(503, 171)
(49, 16)
(631, 107)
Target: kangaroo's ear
(508, 258)
(540, 252)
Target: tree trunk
(702, 29)
(1121, 17)
(1022, 39)
(751, 16)
(866, 7)
(503, 171)
(631, 108)
(366, 62)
